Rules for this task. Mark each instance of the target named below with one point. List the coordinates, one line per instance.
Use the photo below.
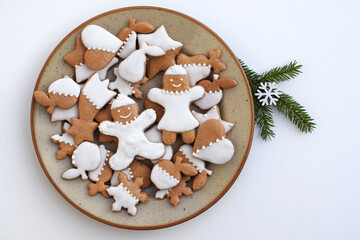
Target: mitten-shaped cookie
(211, 145)
(128, 127)
(166, 175)
(66, 143)
(176, 97)
(171, 47)
(136, 169)
(213, 113)
(129, 34)
(86, 157)
(127, 194)
(199, 66)
(63, 93)
(101, 45)
(213, 92)
(101, 174)
(93, 97)
(185, 152)
(132, 69)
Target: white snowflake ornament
(268, 94)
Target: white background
(298, 186)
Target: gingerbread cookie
(136, 169)
(66, 143)
(166, 175)
(101, 116)
(63, 93)
(127, 194)
(128, 127)
(213, 92)
(94, 95)
(211, 145)
(101, 45)
(86, 157)
(181, 189)
(176, 97)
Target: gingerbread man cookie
(176, 97)
(129, 127)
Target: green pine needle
(281, 74)
(295, 113)
(264, 119)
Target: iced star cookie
(213, 113)
(213, 91)
(86, 157)
(211, 145)
(127, 194)
(171, 47)
(62, 93)
(94, 95)
(129, 35)
(128, 127)
(185, 152)
(166, 175)
(199, 66)
(176, 97)
(101, 45)
(66, 143)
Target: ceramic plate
(236, 107)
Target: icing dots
(219, 152)
(162, 179)
(209, 100)
(82, 72)
(176, 70)
(213, 113)
(129, 45)
(123, 86)
(123, 199)
(65, 86)
(121, 100)
(94, 174)
(97, 38)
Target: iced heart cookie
(213, 91)
(129, 35)
(176, 97)
(101, 45)
(199, 66)
(66, 143)
(166, 175)
(86, 157)
(128, 127)
(211, 145)
(94, 95)
(127, 194)
(63, 93)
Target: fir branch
(295, 113)
(264, 119)
(281, 74)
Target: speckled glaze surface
(236, 107)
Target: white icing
(65, 86)
(161, 193)
(115, 178)
(213, 113)
(162, 179)
(198, 163)
(129, 45)
(65, 114)
(209, 100)
(94, 174)
(97, 38)
(159, 38)
(154, 135)
(135, 129)
(123, 86)
(197, 72)
(97, 91)
(219, 152)
(121, 100)
(177, 117)
(86, 157)
(123, 199)
(65, 138)
(82, 72)
(176, 70)
(132, 69)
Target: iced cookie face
(125, 113)
(176, 82)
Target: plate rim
(217, 198)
